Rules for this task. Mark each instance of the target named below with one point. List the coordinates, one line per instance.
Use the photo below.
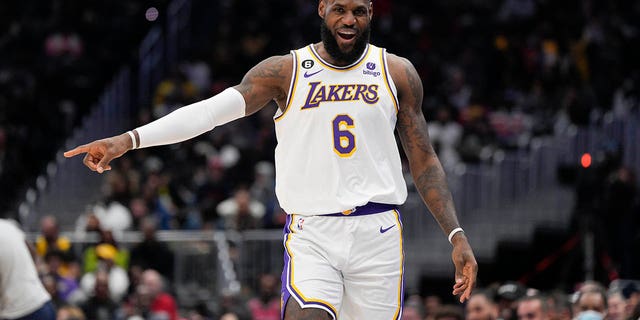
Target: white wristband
(453, 232)
(133, 140)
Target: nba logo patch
(300, 222)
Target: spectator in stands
(507, 295)
(446, 135)
(559, 306)
(50, 240)
(67, 287)
(90, 256)
(631, 292)
(199, 312)
(432, 303)
(263, 189)
(151, 253)
(139, 210)
(532, 308)
(413, 309)
(157, 303)
(591, 303)
(160, 195)
(478, 135)
(118, 277)
(411, 312)
(70, 312)
(241, 212)
(635, 314)
(173, 92)
(229, 316)
(92, 223)
(51, 285)
(266, 306)
(617, 306)
(231, 303)
(212, 187)
(197, 72)
(449, 312)
(118, 187)
(114, 216)
(100, 306)
(481, 307)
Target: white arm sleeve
(193, 120)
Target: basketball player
(338, 170)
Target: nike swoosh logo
(307, 75)
(386, 229)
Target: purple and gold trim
(398, 313)
(292, 85)
(369, 208)
(357, 63)
(387, 77)
(289, 288)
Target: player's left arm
(427, 172)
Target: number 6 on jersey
(344, 142)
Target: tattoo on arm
(429, 177)
(264, 82)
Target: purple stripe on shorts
(402, 280)
(369, 208)
(286, 276)
(285, 295)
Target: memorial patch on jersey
(307, 64)
(319, 93)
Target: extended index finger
(76, 151)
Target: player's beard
(332, 47)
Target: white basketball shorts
(349, 264)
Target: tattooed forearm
(432, 185)
(427, 172)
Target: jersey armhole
(391, 86)
(292, 87)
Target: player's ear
(321, 7)
(370, 10)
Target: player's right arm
(267, 81)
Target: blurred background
(533, 107)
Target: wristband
(453, 232)
(133, 140)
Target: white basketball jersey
(336, 146)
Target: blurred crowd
(113, 282)
(496, 73)
(511, 300)
(55, 58)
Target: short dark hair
(489, 294)
(449, 311)
(597, 290)
(536, 297)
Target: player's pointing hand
(99, 153)
(466, 267)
